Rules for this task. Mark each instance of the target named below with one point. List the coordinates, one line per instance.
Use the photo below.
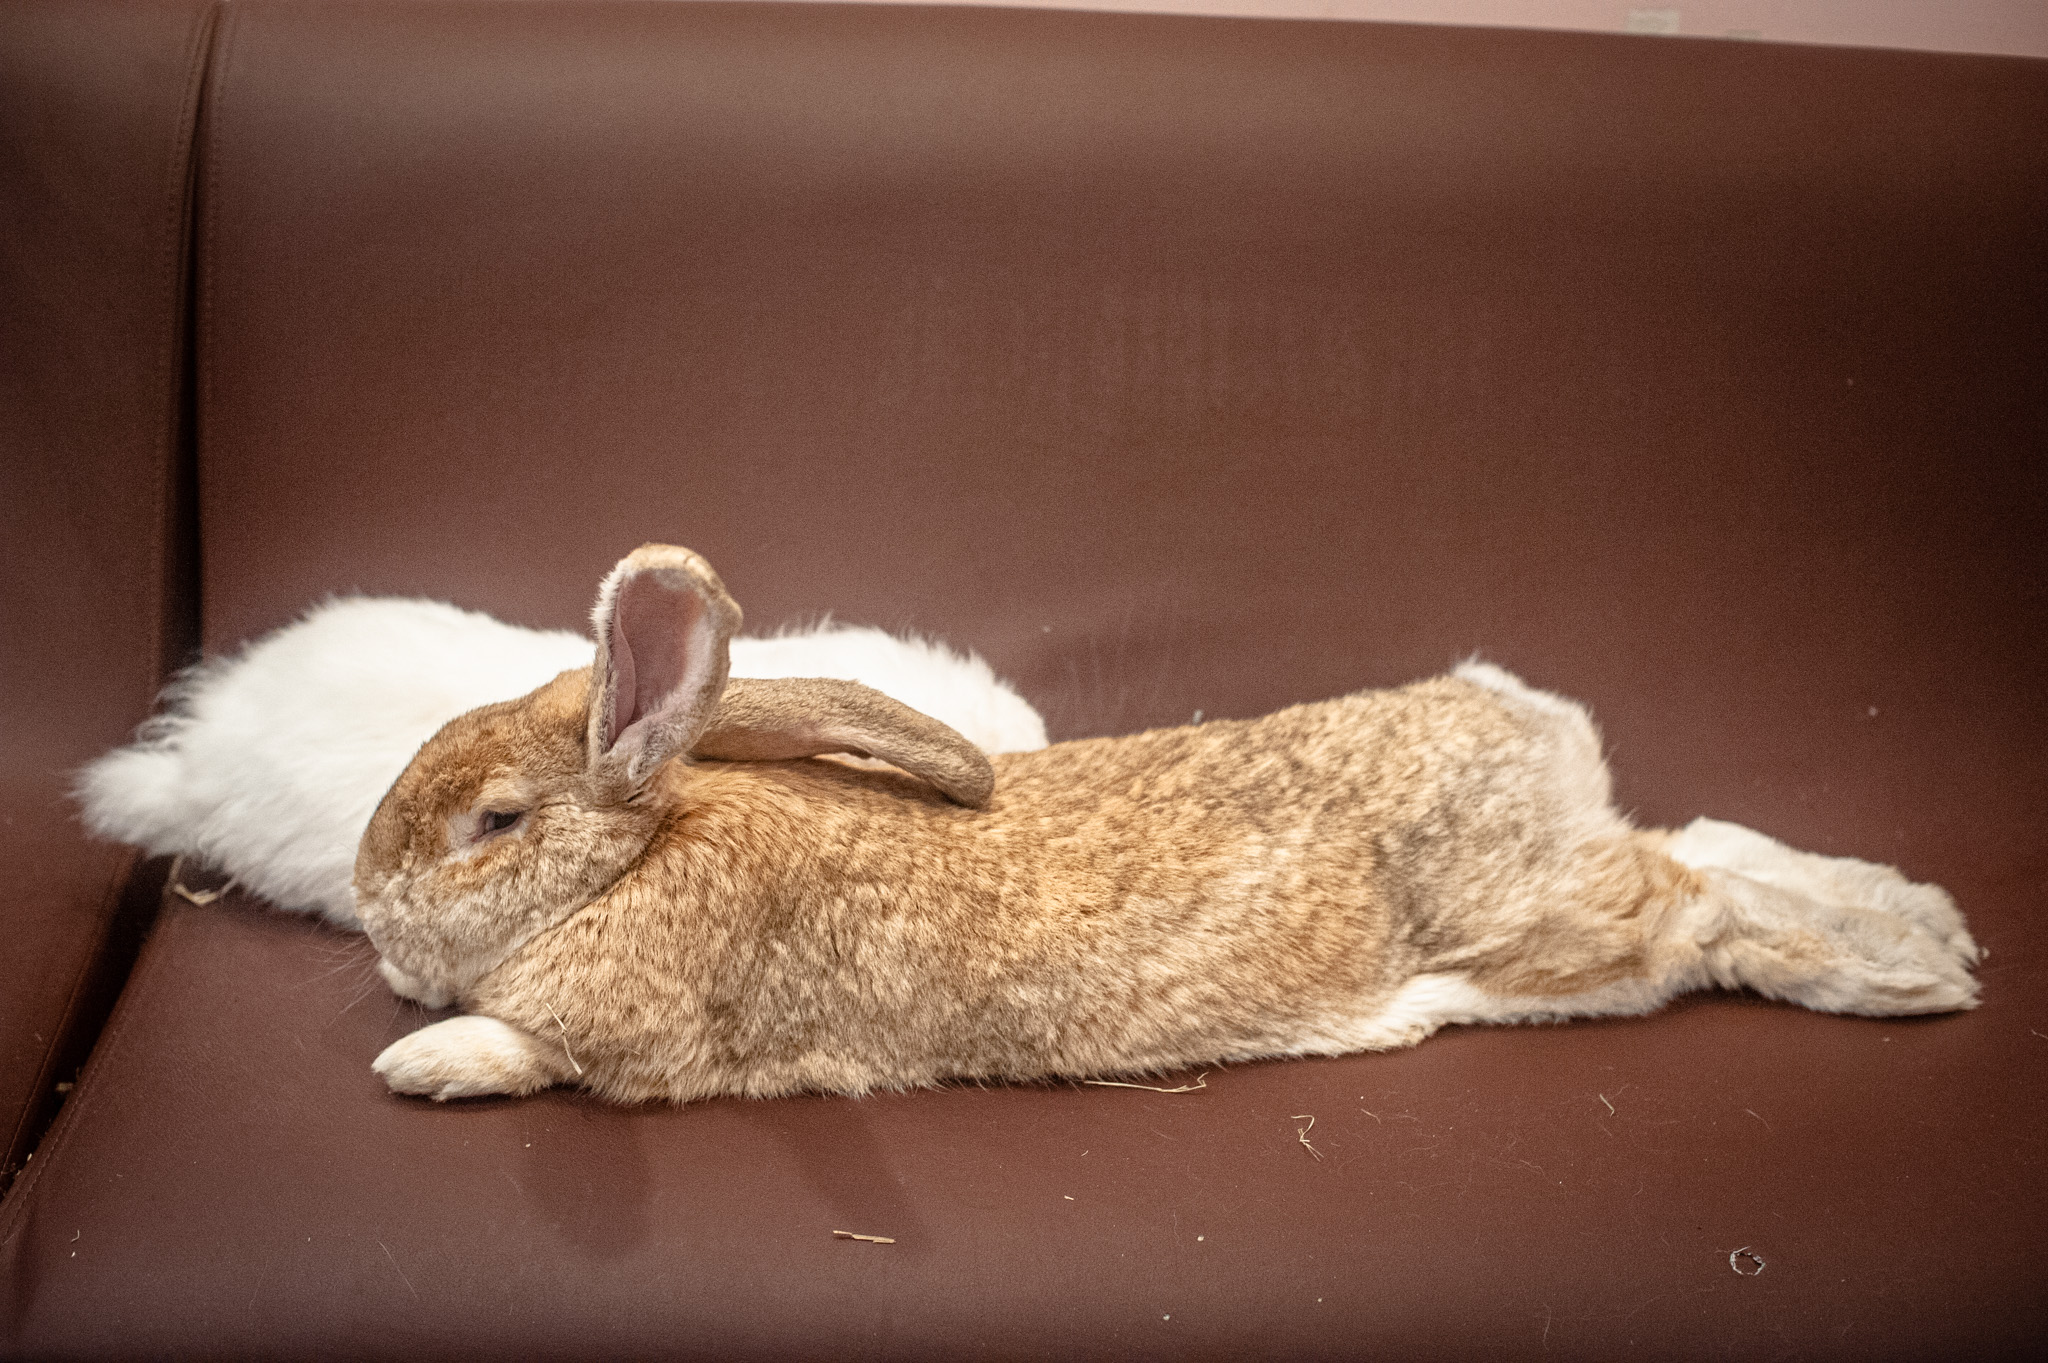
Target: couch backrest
(1175, 364)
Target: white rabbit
(269, 764)
(634, 880)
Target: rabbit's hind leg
(1660, 915)
(1787, 943)
(1614, 932)
(1843, 881)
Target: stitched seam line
(199, 51)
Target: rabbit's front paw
(466, 1057)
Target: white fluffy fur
(268, 765)
(1428, 1002)
(469, 1057)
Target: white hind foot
(1841, 881)
(1838, 958)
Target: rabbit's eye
(496, 821)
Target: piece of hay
(1301, 1132)
(1201, 1082)
(865, 1239)
(401, 1272)
(177, 885)
(565, 1036)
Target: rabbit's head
(517, 814)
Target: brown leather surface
(1176, 365)
(96, 102)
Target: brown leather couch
(1174, 364)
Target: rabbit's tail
(140, 795)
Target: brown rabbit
(635, 879)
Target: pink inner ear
(652, 629)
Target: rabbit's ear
(769, 720)
(662, 621)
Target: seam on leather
(199, 52)
(46, 1069)
(46, 1073)
(177, 325)
(206, 182)
(14, 1211)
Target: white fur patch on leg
(469, 1057)
(1426, 1002)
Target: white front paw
(465, 1057)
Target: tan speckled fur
(1336, 876)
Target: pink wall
(2016, 27)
